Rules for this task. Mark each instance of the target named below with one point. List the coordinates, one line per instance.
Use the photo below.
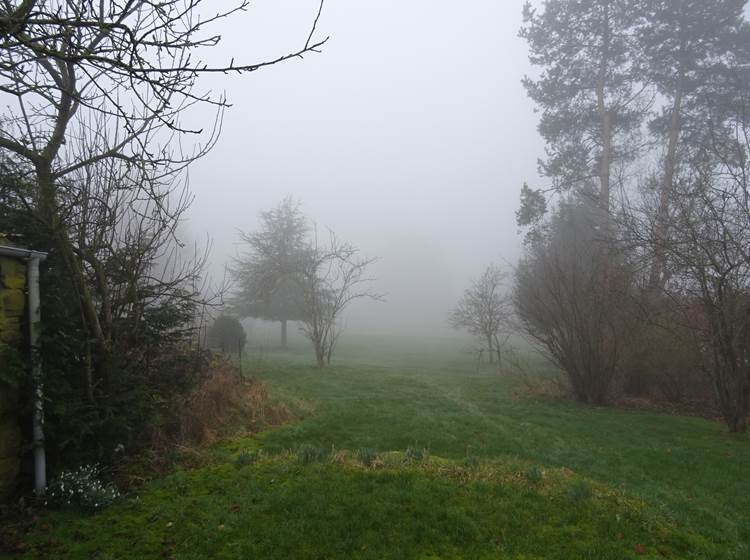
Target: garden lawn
(507, 475)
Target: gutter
(33, 258)
(19, 253)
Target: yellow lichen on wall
(12, 304)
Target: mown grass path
(642, 485)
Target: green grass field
(506, 475)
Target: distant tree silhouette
(483, 310)
(267, 273)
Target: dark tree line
(640, 234)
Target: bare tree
(709, 247)
(122, 226)
(119, 72)
(484, 310)
(332, 275)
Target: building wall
(12, 304)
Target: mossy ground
(505, 476)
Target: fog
(410, 136)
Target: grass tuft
(580, 492)
(415, 454)
(246, 458)
(309, 454)
(533, 475)
(367, 456)
(471, 462)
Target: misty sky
(410, 135)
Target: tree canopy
(266, 274)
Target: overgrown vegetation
(309, 454)
(92, 170)
(125, 396)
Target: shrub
(664, 363)
(82, 488)
(226, 333)
(571, 295)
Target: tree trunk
(89, 373)
(105, 320)
(657, 277)
(739, 425)
(498, 353)
(49, 216)
(739, 422)
(283, 334)
(329, 353)
(489, 349)
(320, 356)
(606, 122)
(605, 163)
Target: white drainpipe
(33, 258)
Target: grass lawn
(507, 476)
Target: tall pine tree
(692, 50)
(588, 90)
